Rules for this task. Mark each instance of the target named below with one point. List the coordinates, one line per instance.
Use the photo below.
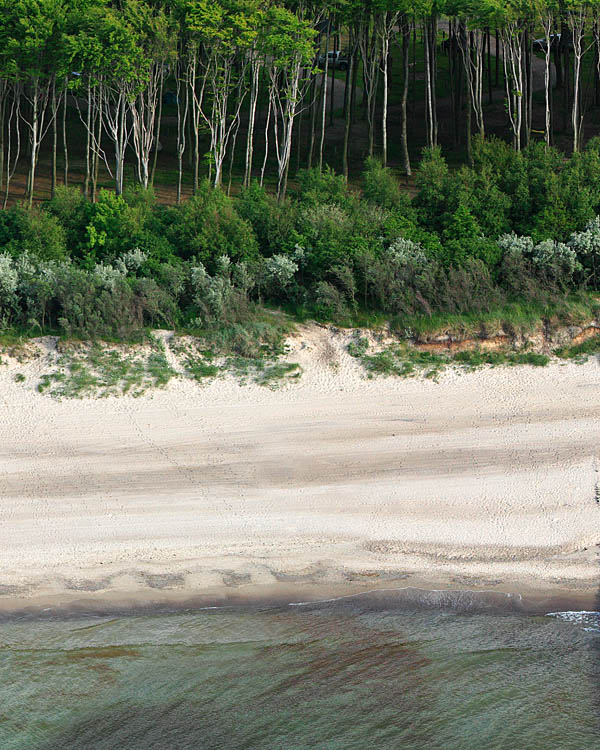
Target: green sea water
(355, 673)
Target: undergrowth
(402, 360)
(97, 371)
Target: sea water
(352, 673)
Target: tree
(290, 49)
(34, 56)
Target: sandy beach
(337, 483)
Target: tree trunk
(347, 120)
(64, 136)
(405, 75)
(324, 100)
(158, 124)
(55, 106)
(255, 78)
(313, 121)
(88, 135)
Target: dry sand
(334, 484)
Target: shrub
(33, 231)
(273, 221)
(207, 227)
(317, 188)
(380, 187)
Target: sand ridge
(336, 482)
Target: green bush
(207, 226)
(33, 231)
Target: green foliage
(406, 361)
(103, 371)
(32, 231)
(207, 227)
(580, 352)
(381, 188)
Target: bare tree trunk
(347, 119)
(428, 88)
(55, 106)
(324, 100)
(158, 124)
(88, 135)
(267, 123)
(313, 120)
(14, 114)
(97, 151)
(3, 97)
(577, 22)
(255, 77)
(489, 64)
(64, 135)
(333, 67)
(384, 114)
(547, 26)
(405, 75)
(181, 131)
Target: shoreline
(414, 594)
(331, 485)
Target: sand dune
(336, 483)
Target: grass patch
(199, 369)
(512, 317)
(273, 375)
(101, 372)
(405, 361)
(580, 352)
(358, 346)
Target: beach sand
(334, 484)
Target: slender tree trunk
(384, 114)
(3, 96)
(96, 154)
(255, 77)
(14, 114)
(547, 25)
(405, 76)
(64, 135)
(158, 124)
(313, 121)
(267, 123)
(333, 68)
(433, 78)
(347, 122)
(497, 58)
(488, 37)
(353, 87)
(324, 101)
(181, 133)
(88, 131)
(54, 139)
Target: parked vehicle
(539, 45)
(341, 60)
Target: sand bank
(336, 483)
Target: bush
(33, 231)
(317, 188)
(273, 221)
(207, 226)
(381, 188)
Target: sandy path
(487, 478)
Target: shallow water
(350, 674)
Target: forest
(193, 164)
